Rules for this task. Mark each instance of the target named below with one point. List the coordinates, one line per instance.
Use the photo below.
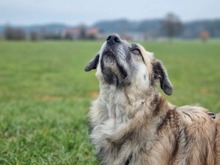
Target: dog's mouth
(109, 58)
(112, 69)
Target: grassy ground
(45, 95)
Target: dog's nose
(113, 39)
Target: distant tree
(34, 36)
(68, 37)
(91, 37)
(172, 25)
(11, 33)
(82, 32)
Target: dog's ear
(161, 75)
(93, 63)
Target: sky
(74, 12)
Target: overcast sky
(73, 12)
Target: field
(45, 95)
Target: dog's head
(120, 63)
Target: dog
(131, 123)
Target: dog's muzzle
(113, 62)
(110, 53)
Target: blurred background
(139, 20)
(45, 45)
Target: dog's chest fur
(124, 126)
(132, 129)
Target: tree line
(170, 26)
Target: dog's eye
(136, 51)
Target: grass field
(45, 95)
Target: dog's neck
(123, 103)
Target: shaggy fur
(132, 124)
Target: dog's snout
(113, 39)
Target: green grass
(45, 95)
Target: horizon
(33, 12)
(104, 20)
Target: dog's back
(217, 140)
(175, 135)
(200, 135)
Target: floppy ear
(93, 63)
(161, 75)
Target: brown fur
(137, 126)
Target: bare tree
(14, 34)
(34, 36)
(82, 32)
(172, 25)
